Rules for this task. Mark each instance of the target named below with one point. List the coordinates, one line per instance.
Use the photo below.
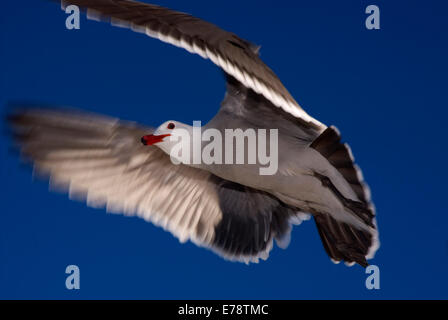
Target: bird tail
(341, 240)
(345, 242)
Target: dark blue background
(386, 90)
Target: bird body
(236, 209)
(294, 181)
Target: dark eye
(170, 125)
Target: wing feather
(101, 161)
(237, 57)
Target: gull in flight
(231, 209)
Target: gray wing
(340, 240)
(237, 57)
(253, 110)
(101, 160)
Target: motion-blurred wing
(102, 161)
(237, 57)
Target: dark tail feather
(344, 242)
(340, 156)
(341, 240)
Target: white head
(166, 136)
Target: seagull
(126, 167)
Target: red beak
(151, 139)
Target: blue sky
(384, 89)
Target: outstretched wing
(237, 57)
(101, 160)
